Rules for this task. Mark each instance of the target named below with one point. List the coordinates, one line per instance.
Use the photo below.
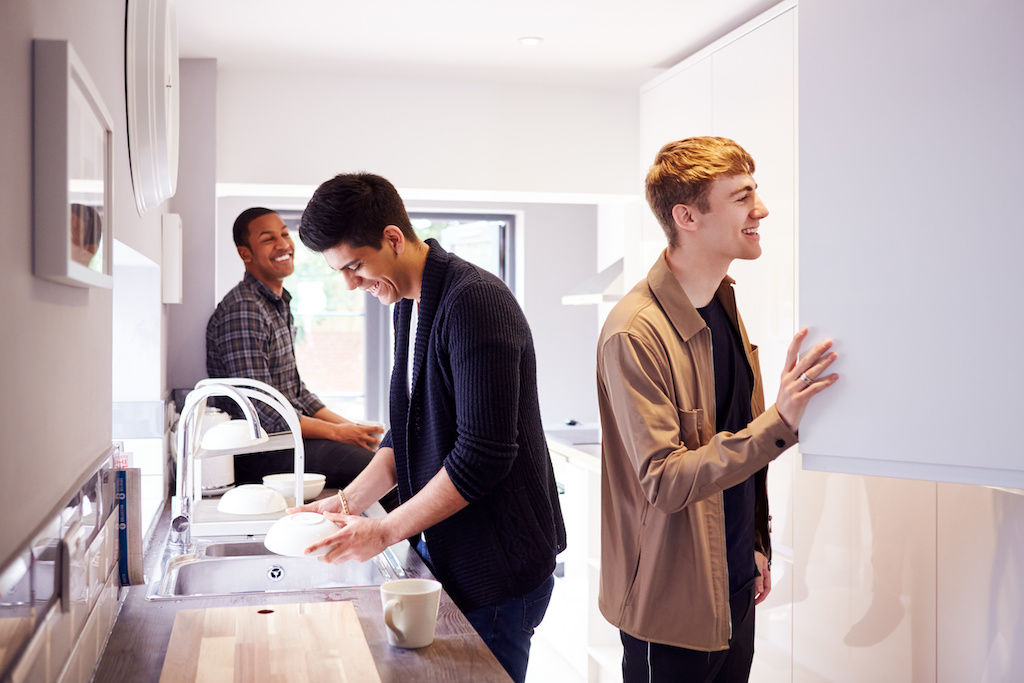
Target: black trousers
(644, 662)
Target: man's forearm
(437, 501)
(315, 428)
(364, 436)
(328, 415)
(376, 479)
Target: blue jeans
(507, 627)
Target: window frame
(507, 244)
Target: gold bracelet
(344, 502)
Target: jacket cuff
(776, 435)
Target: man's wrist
(337, 430)
(390, 531)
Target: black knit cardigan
(474, 411)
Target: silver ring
(805, 378)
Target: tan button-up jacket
(664, 576)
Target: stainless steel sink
(239, 549)
(237, 566)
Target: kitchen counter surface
(139, 640)
(586, 455)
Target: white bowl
(227, 435)
(292, 534)
(312, 484)
(251, 499)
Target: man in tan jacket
(686, 439)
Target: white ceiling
(611, 42)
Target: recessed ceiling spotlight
(530, 41)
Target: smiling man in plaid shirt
(252, 334)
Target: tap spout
(181, 516)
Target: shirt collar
(255, 283)
(673, 300)
(434, 271)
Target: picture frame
(73, 159)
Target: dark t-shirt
(733, 386)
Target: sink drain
(275, 573)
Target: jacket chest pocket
(691, 428)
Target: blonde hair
(684, 170)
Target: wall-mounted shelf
(605, 286)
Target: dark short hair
(240, 230)
(354, 209)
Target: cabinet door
(674, 106)
(911, 236)
(741, 87)
(754, 103)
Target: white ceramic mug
(410, 611)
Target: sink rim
(164, 586)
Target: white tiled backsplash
(59, 597)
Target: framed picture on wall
(73, 157)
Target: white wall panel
(980, 577)
(302, 128)
(864, 595)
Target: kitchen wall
(552, 154)
(55, 413)
(303, 127)
(196, 203)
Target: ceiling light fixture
(530, 41)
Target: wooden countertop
(142, 631)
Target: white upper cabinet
(675, 105)
(911, 235)
(754, 98)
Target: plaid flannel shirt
(252, 334)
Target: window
(330, 322)
(344, 341)
(483, 239)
